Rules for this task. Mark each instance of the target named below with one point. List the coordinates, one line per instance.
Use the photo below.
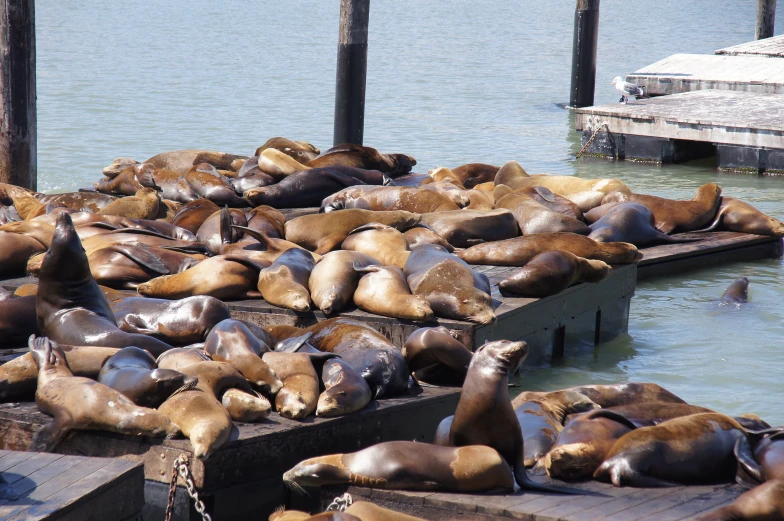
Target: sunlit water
(449, 83)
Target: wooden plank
(770, 47)
(611, 508)
(12, 458)
(696, 505)
(668, 502)
(32, 488)
(28, 466)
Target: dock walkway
(769, 47)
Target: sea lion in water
(334, 280)
(407, 465)
(676, 216)
(552, 272)
(383, 290)
(632, 223)
(143, 205)
(423, 234)
(436, 357)
(358, 156)
(299, 395)
(464, 228)
(534, 217)
(132, 371)
(625, 394)
(384, 243)
(763, 503)
(449, 285)
(324, 232)
(520, 250)
(737, 292)
(80, 403)
(70, 306)
(346, 391)
(285, 282)
(387, 198)
(695, 449)
(302, 151)
(181, 161)
(735, 215)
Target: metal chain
(595, 133)
(180, 467)
(340, 504)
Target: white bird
(627, 89)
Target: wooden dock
(57, 487)
(769, 47)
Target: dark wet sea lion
(436, 357)
(625, 394)
(17, 321)
(383, 290)
(285, 282)
(15, 250)
(632, 223)
(298, 397)
(81, 403)
(132, 371)
(70, 306)
(647, 414)
(763, 503)
(465, 228)
(407, 465)
(533, 217)
(762, 462)
(738, 291)
(368, 158)
(689, 450)
(216, 188)
(302, 151)
(520, 250)
(253, 180)
(423, 234)
(178, 322)
(193, 214)
(677, 216)
(449, 285)
(346, 391)
(125, 266)
(472, 174)
(334, 280)
(552, 272)
(735, 215)
(181, 161)
(384, 243)
(324, 232)
(387, 198)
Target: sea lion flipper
(526, 483)
(50, 435)
(368, 226)
(259, 235)
(143, 255)
(225, 225)
(545, 193)
(359, 268)
(747, 465)
(292, 345)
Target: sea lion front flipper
(293, 344)
(747, 465)
(368, 226)
(343, 179)
(328, 243)
(522, 479)
(545, 193)
(366, 269)
(50, 435)
(142, 255)
(225, 225)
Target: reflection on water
(449, 83)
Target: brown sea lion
(217, 229)
(334, 280)
(367, 511)
(763, 503)
(737, 292)
(119, 222)
(368, 158)
(125, 266)
(302, 151)
(299, 395)
(646, 414)
(172, 185)
(245, 407)
(449, 285)
(180, 357)
(268, 220)
(193, 214)
(277, 164)
(480, 200)
(346, 391)
(114, 237)
(735, 215)
(285, 282)
(472, 174)
(15, 250)
(407, 465)
(265, 249)
(436, 357)
(280, 332)
(384, 243)
(383, 290)
(78, 201)
(132, 371)
(211, 185)
(126, 183)
(181, 161)
(70, 306)
(554, 202)
(118, 165)
(676, 216)
(443, 174)
(324, 232)
(231, 341)
(520, 250)
(387, 198)
(552, 272)
(456, 193)
(80, 403)
(201, 418)
(251, 176)
(465, 228)
(17, 320)
(625, 394)
(533, 217)
(632, 223)
(689, 450)
(423, 234)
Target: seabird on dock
(626, 89)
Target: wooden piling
(17, 93)
(351, 72)
(586, 37)
(766, 16)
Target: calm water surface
(449, 83)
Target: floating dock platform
(768, 47)
(71, 488)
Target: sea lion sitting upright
(552, 272)
(737, 292)
(368, 158)
(81, 403)
(383, 290)
(735, 215)
(70, 306)
(436, 357)
(632, 223)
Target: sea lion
(302, 151)
(436, 357)
(762, 503)
(520, 250)
(737, 292)
(193, 214)
(449, 285)
(277, 164)
(387, 198)
(647, 414)
(126, 183)
(132, 371)
(552, 272)
(201, 418)
(245, 407)
(632, 223)
(464, 228)
(80, 403)
(213, 186)
(251, 176)
(125, 266)
(231, 341)
(358, 156)
(763, 462)
(442, 174)
(625, 394)
(383, 290)
(455, 192)
(217, 229)
(177, 322)
(265, 249)
(533, 217)
(172, 185)
(423, 234)
(118, 165)
(181, 161)
(77, 201)
(124, 236)
(381, 242)
(324, 232)
(299, 395)
(180, 357)
(17, 321)
(15, 250)
(70, 306)
(553, 201)
(367, 511)
(334, 280)
(735, 215)
(143, 205)
(472, 174)
(407, 465)
(676, 216)
(689, 450)
(285, 282)
(118, 222)
(346, 391)
(268, 220)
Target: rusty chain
(180, 467)
(588, 143)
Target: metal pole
(352, 72)
(766, 16)
(17, 93)
(586, 37)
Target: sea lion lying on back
(377, 198)
(359, 156)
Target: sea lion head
(402, 162)
(501, 355)
(169, 382)
(66, 255)
(314, 472)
